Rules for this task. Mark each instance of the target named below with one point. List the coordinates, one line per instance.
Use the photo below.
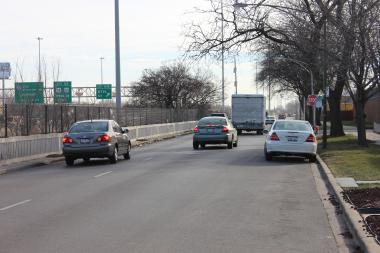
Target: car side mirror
(265, 131)
(125, 130)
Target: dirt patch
(364, 198)
(373, 222)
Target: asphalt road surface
(167, 198)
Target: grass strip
(346, 159)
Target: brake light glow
(225, 130)
(311, 138)
(274, 137)
(67, 140)
(196, 130)
(103, 138)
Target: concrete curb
(44, 159)
(353, 219)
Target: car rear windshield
(212, 121)
(86, 127)
(292, 126)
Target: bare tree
(175, 86)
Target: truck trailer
(248, 112)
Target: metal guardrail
(29, 119)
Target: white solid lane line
(14, 205)
(148, 159)
(103, 174)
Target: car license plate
(84, 141)
(210, 130)
(292, 138)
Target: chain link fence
(28, 119)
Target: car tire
(229, 145)
(312, 158)
(260, 132)
(114, 157)
(69, 161)
(239, 132)
(203, 145)
(268, 157)
(195, 145)
(235, 143)
(127, 155)
(86, 159)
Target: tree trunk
(335, 115)
(360, 123)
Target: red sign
(311, 100)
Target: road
(167, 198)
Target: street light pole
(39, 58)
(221, 3)
(101, 69)
(117, 61)
(235, 71)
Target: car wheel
(229, 145)
(195, 145)
(268, 156)
(260, 132)
(86, 159)
(114, 157)
(312, 158)
(239, 131)
(236, 143)
(127, 155)
(203, 145)
(69, 161)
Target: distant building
(372, 108)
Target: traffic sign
(29, 92)
(104, 91)
(311, 100)
(62, 92)
(5, 70)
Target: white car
(291, 137)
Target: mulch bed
(364, 198)
(367, 199)
(373, 222)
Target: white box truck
(248, 112)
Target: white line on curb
(14, 205)
(103, 174)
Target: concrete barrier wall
(23, 147)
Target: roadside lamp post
(101, 69)
(117, 61)
(221, 6)
(39, 58)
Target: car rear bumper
(91, 152)
(303, 149)
(212, 139)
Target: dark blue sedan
(215, 130)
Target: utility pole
(257, 85)
(324, 138)
(221, 3)
(39, 58)
(117, 62)
(101, 69)
(235, 71)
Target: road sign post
(62, 92)
(104, 91)
(5, 73)
(29, 92)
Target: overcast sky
(79, 32)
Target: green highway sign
(62, 92)
(104, 91)
(29, 92)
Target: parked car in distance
(282, 116)
(291, 137)
(215, 130)
(218, 114)
(96, 139)
(269, 120)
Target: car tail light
(311, 138)
(196, 130)
(225, 130)
(274, 137)
(67, 140)
(103, 138)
